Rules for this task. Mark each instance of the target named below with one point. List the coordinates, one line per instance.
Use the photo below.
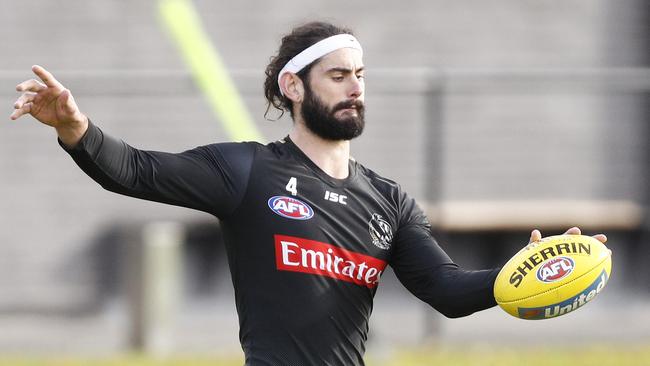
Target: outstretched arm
(428, 272)
(209, 178)
(424, 268)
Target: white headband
(318, 50)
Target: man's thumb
(66, 102)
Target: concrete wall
(497, 142)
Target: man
(308, 231)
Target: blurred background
(499, 117)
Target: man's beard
(321, 120)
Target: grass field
(593, 355)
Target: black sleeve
(211, 178)
(428, 272)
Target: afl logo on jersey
(380, 231)
(290, 208)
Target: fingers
(23, 105)
(601, 238)
(32, 85)
(25, 98)
(46, 76)
(24, 109)
(576, 231)
(535, 235)
(573, 231)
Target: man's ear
(292, 87)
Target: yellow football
(553, 276)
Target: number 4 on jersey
(292, 186)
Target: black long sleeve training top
(306, 251)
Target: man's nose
(356, 88)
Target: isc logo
(336, 197)
(555, 269)
(290, 208)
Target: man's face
(333, 106)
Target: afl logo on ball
(290, 208)
(555, 269)
(380, 231)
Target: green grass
(472, 355)
(121, 361)
(591, 355)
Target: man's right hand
(51, 104)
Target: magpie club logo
(380, 231)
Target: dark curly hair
(292, 44)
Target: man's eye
(337, 78)
(360, 77)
